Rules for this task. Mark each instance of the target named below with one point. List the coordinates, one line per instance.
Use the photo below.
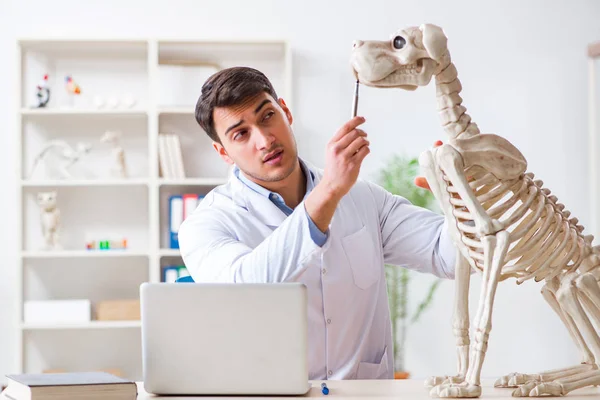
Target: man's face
(258, 138)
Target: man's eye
(269, 115)
(239, 135)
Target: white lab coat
(238, 235)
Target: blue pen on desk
(324, 388)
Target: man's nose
(264, 139)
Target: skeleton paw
(537, 389)
(463, 389)
(514, 380)
(438, 380)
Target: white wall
(524, 71)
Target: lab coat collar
(257, 204)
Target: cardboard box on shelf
(118, 310)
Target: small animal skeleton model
(503, 222)
(50, 219)
(112, 138)
(58, 156)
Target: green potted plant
(398, 178)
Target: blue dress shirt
(318, 236)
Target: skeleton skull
(408, 60)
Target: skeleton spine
(453, 115)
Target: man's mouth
(274, 156)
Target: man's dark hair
(229, 87)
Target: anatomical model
(50, 219)
(58, 157)
(503, 222)
(112, 138)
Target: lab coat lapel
(259, 206)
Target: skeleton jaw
(402, 76)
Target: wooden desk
(412, 389)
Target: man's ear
(222, 152)
(286, 110)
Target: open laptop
(224, 338)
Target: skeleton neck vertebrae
(453, 115)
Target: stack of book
(72, 386)
(169, 156)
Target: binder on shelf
(180, 207)
(190, 202)
(175, 219)
(171, 273)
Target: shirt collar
(310, 180)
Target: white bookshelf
(164, 77)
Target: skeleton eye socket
(399, 42)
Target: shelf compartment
(90, 213)
(105, 346)
(165, 193)
(109, 69)
(200, 160)
(93, 279)
(82, 129)
(184, 65)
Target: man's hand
(345, 153)
(421, 181)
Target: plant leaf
(427, 301)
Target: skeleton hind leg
(575, 293)
(526, 382)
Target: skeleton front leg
(494, 250)
(462, 275)
(451, 162)
(460, 323)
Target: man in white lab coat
(280, 219)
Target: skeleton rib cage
(544, 242)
